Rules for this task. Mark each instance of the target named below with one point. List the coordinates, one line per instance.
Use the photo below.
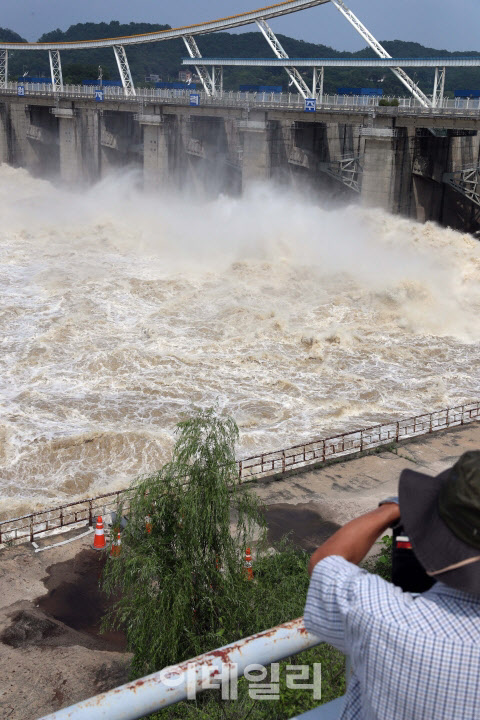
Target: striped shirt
(413, 658)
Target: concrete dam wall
(394, 162)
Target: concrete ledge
(330, 711)
(377, 132)
(148, 119)
(252, 125)
(63, 112)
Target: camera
(407, 572)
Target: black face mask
(407, 573)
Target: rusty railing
(276, 463)
(215, 669)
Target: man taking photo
(413, 657)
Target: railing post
(463, 412)
(31, 528)
(430, 430)
(240, 469)
(448, 421)
(397, 435)
(283, 461)
(90, 515)
(361, 440)
(323, 458)
(61, 518)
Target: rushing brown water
(120, 311)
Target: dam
(404, 160)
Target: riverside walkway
(49, 612)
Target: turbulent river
(119, 311)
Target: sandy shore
(51, 653)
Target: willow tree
(180, 583)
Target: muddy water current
(119, 311)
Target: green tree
(181, 588)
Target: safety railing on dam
(217, 669)
(232, 98)
(269, 464)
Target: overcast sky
(442, 24)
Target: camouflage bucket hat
(441, 516)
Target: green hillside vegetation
(164, 59)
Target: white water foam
(119, 311)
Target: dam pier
(407, 160)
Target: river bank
(51, 652)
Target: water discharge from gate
(120, 310)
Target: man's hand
(354, 540)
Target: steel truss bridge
(319, 65)
(212, 79)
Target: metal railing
(465, 107)
(319, 451)
(50, 521)
(154, 692)
(270, 464)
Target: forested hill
(164, 58)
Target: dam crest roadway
(419, 159)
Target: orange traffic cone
(99, 540)
(148, 524)
(248, 565)
(116, 547)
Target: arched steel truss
(188, 32)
